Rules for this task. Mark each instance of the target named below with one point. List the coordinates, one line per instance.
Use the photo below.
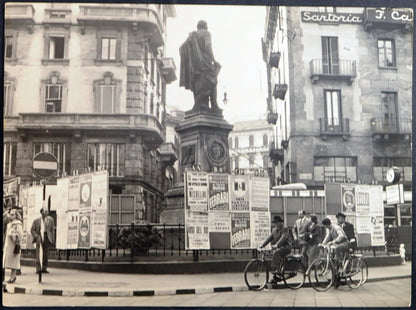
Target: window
(333, 107)
(106, 156)
(335, 169)
(330, 61)
(382, 164)
(122, 209)
(56, 48)
(108, 48)
(53, 91)
(9, 158)
(10, 41)
(236, 162)
(230, 143)
(7, 99)
(251, 140)
(107, 94)
(386, 53)
(236, 142)
(62, 152)
(265, 140)
(389, 111)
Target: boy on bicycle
(281, 244)
(335, 237)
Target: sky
(236, 42)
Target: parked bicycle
(292, 272)
(322, 272)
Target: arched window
(54, 93)
(236, 142)
(230, 143)
(236, 162)
(251, 140)
(265, 140)
(107, 94)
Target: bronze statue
(199, 69)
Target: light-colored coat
(14, 234)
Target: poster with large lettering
(218, 192)
(72, 229)
(348, 198)
(219, 222)
(196, 186)
(239, 193)
(84, 241)
(85, 183)
(260, 228)
(73, 194)
(377, 216)
(196, 229)
(362, 198)
(260, 194)
(240, 230)
(99, 229)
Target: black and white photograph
(207, 154)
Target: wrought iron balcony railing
(391, 127)
(334, 126)
(340, 69)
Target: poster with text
(85, 183)
(23, 203)
(362, 200)
(348, 198)
(99, 229)
(218, 194)
(239, 193)
(197, 191)
(363, 226)
(260, 194)
(240, 230)
(99, 190)
(377, 215)
(219, 221)
(61, 213)
(196, 227)
(72, 229)
(84, 238)
(260, 228)
(73, 194)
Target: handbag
(16, 249)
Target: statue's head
(202, 24)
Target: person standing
(313, 239)
(43, 235)
(11, 250)
(348, 230)
(300, 230)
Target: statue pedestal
(204, 144)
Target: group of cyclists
(307, 234)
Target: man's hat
(277, 219)
(340, 215)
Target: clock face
(390, 175)
(85, 192)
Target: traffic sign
(44, 165)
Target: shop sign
(389, 15)
(332, 18)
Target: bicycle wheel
(256, 274)
(365, 269)
(293, 273)
(354, 274)
(321, 274)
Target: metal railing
(334, 126)
(391, 125)
(339, 67)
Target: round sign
(44, 165)
(393, 175)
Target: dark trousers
(278, 256)
(45, 247)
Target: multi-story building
(249, 143)
(87, 82)
(340, 93)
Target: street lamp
(225, 100)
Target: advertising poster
(362, 225)
(362, 194)
(348, 198)
(72, 231)
(73, 194)
(239, 193)
(260, 228)
(61, 213)
(377, 216)
(23, 203)
(240, 230)
(99, 191)
(85, 183)
(218, 194)
(260, 194)
(197, 191)
(99, 229)
(84, 238)
(219, 222)
(196, 227)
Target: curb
(13, 289)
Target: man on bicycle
(281, 244)
(348, 230)
(335, 237)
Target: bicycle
(256, 272)
(322, 272)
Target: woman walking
(11, 250)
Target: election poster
(196, 186)
(99, 229)
(219, 222)
(260, 228)
(260, 194)
(196, 228)
(240, 230)
(218, 192)
(85, 183)
(73, 194)
(239, 193)
(84, 238)
(348, 198)
(72, 223)
(377, 216)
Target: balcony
(274, 59)
(20, 14)
(341, 70)
(334, 127)
(138, 16)
(279, 91)
(388, 18)
(386, 129)
(146, 126)
(272, 118)
(168, 153)
(169, 70)
(276, 154)
(58, 16)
